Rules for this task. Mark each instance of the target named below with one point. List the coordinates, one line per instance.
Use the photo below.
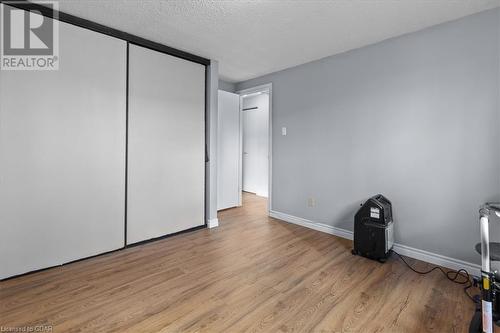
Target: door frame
(268, 87)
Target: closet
(104, 152)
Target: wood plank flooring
(252, 274)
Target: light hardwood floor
(253, 273)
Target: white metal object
(487, 317)
(485, 248)
(486, 302)
(486, 308)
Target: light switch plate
(283, 131)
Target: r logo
(28, 37)
(26, 32)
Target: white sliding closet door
(166, 147)
(62, 155)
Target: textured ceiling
(252, 38)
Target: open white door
(228, 151)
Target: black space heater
(373, 229)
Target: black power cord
(459, 277)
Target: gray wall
(227, 86)
(415, 118)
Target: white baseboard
(212, 223)
(437, 259)
(404, 250)
(312, 225)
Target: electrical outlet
(311, 202)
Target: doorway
(255, 117)
(255, 127)
(244, 149)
